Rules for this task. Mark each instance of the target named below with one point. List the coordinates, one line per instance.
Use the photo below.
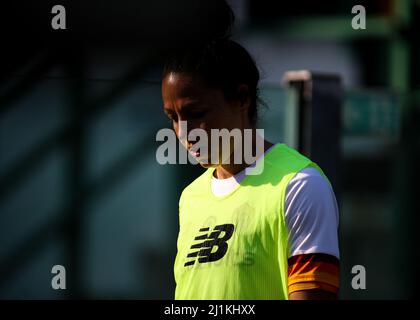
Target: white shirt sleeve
(311, 214)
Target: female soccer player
(271, 235)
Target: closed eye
(196, 114)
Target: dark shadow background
(80, 108)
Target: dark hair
(220, 62)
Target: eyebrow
(184, 107)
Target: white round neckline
(222, 187)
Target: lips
(194, 151)
(195, 154)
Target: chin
(207, 165)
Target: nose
(182, 130)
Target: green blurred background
(79, 182)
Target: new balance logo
(211, 240)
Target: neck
(230, 169)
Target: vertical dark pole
(319, 105)
(75, 65)
(407, 159)
(319, 119)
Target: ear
(244, 99)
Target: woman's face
(186, 98)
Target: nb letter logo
(205, 248)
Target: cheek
(228, 119)
(218, 118)
(204, 125)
